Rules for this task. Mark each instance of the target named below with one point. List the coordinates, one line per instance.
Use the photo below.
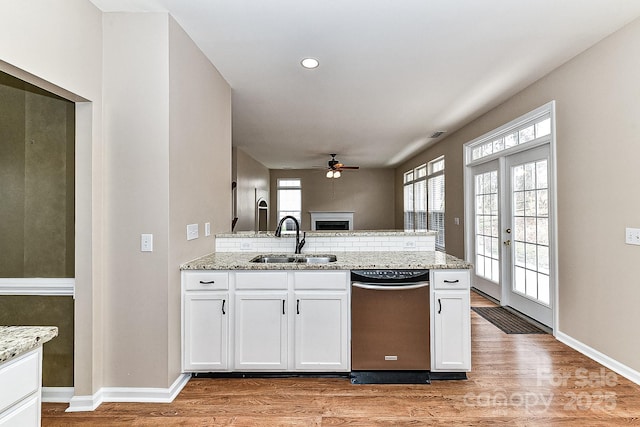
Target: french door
(511, 231)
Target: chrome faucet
(299, 243)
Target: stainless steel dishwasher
(390, 326)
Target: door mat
(508, 322)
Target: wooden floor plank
(516, 380)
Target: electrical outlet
(192, 231)
(207, 229)
(409, 244)
(146, 242)
(632, 236)
(246, 246)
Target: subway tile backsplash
(317, 244)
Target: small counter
(15, 340)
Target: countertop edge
(17, 340)
(346, 261)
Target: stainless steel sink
(308, 259)
(318, 259)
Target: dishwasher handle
(399, 287)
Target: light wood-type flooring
(516, 380)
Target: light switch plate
(146, 242)
(192, 231)
(632, 236)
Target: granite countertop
(345, 233)
(346, 261)
(15, 340)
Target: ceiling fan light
(329, 174)
(336, 174)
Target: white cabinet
(321, 331)
(205, 321)
(20, 391)
(271, 321)
(206, 331)
(450, 320)
(261, 330)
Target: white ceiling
(391, 71)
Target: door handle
(439, 306)
(283, 303)
(223, 302)
(507, 242)
(297, 306)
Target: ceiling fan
(335, 167)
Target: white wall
(597, 109)
(162, 100)
(199, 166)
(57, 45)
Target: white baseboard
(603, 359)
(128, 394)
(57, 394)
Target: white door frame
(547, 109)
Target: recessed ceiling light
(310, 63)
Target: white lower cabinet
(321, 331)
(206, 331)
(261, 323)
(20, 391)
(205, 321)
(276, 321)
(451, 321)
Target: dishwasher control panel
(390, 276)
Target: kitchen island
(294, 315)
(21, 373)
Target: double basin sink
(305, 259)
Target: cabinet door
(206, 331)
(321, 331)
(261, 322)
(451, 332)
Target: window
(424, 199)
(415, 199)
(435, 191)
(527, 133)
(289, 201)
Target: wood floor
(517, 380)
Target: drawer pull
(451, 281)
(210, 282)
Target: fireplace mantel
(331, 220)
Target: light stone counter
(345, 261)
(16, 340)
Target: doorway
(510, 207)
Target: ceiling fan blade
(350, 167)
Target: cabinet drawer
(451, 279)
(312, 280)
(19, 378)
(200, 280)
(261, 280)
